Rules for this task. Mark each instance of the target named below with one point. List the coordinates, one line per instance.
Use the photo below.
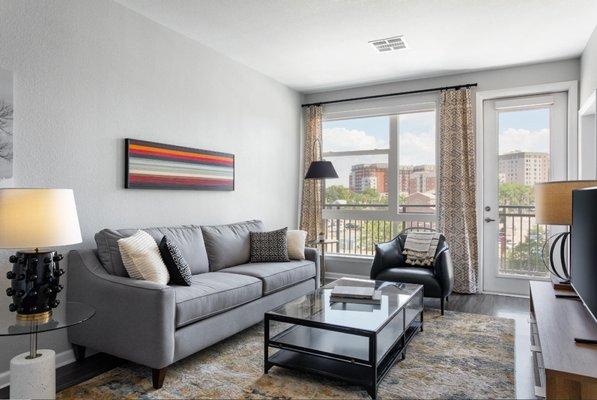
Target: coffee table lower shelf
(354, 372)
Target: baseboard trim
(62, 359)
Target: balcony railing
(520, 238)
(359, 236)
(520, 242)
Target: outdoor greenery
(526, 256)
(516, 194)
(367, 196)
(509, 194)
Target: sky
(416, 141)
(526, 130)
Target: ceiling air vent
(389, 44)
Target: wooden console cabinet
(563, 368)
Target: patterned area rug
(457, 356)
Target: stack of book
(355, 294)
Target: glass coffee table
(357, 343)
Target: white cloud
(417, 148)
(524, 140)
(342, 139)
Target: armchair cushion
(418, 275)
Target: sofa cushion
(188, 239)
(421, 276)
(229, 245)
(269, 246)
(178, 268)
(296, 244)
(276, 275)
(212, 293)
(141, 258)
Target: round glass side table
(33, 373)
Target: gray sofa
(156, 325)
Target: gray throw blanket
(420, 248)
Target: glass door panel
(524, 144)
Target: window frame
(391, 108)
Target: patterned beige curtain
(456, 202)
(311, 202)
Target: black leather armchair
(389, 265)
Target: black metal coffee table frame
(363, 371)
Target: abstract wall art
(150, 165)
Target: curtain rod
(377, 96)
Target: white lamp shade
(38, 218)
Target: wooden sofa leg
(158, 375)
(442, 305)
(79, 352)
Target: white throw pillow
(141, 258)
(296, 244)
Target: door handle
(489, 219)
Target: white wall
(88, 73)
(567, 70)
(588, 68)
(588, 122)
(489, 79)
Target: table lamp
(553, 206)
(35, 220)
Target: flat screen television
(583, 247)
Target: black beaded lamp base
(35, 283)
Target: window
(417, 166)
(386, 164)
(359, 149)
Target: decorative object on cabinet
(553, 206)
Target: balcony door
(524, 142)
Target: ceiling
(313, 45)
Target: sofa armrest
(134, 319)
(312, 254)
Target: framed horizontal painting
(151, 165)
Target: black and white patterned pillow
(269, 246)
(178, 268)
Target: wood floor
(499, 306)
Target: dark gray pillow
(269, 246)
(178, 268)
